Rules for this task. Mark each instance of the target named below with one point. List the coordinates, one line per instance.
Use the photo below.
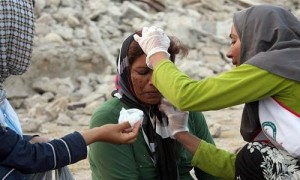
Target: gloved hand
(178, 120)
(153, 40)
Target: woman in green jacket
(266, 49)
(155, 154)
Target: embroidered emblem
(270, 128)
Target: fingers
(132, 136)
(148, 30)
(166, 102)
(132, 140)
(136, 127)
(165, 105)
(144, 30)
(136, 37)
(124, 125)
(152, 30)
(162, 107)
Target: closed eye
(143, 72)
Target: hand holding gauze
(131, 115)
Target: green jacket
(109, 161)
(242, 84)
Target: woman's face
(234, 50)
(142, 84)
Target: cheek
(238, 48)
(236, 51)
(138, 84)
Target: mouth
(153, 93)
(152, 97)
(234, 62)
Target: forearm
(90, 135)
(97, 134)
(31, 158)
(207, 157)
(189, 141)
(214, 92)
(156, 58)
(214, 161)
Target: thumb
(125, 125)
(165, 108)
(136, 127)
(162, 107)
(166, 102)
(136, 37)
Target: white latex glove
(178, 120)
(153, 40)
(131, 115)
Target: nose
(150, 79)
(229, 53)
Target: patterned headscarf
(16, 36)
(160, 146)
(123, 80)
(270, 40)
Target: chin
(152, 101)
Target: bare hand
(112, 133)
(119, 134)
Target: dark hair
(176, 47)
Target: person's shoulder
(196, 119)
(110, 105)
(194, 115)
(107, 112)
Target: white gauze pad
(132, 115)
